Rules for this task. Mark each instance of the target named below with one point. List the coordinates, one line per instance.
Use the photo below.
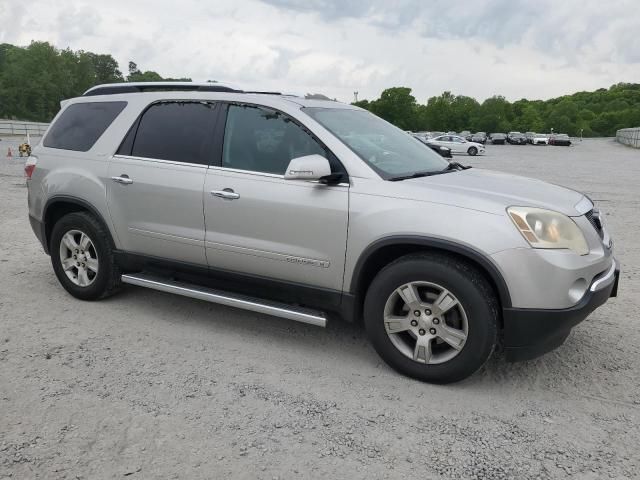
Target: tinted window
(81, 124)
(178, 131)
(263, 140)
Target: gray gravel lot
(150, 385)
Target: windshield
(390, 151)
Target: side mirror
(309, 167)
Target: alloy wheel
(426, 322)
(79, 258)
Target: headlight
(548, 229)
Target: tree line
(598, 113)
(34, 79)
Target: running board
(299, 314)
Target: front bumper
(529, 332)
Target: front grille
(594, 219)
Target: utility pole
(355, 97)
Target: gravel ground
(150, 385)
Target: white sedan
(540, 139)
(458, 144)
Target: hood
(492, 192)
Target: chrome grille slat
(594, 219)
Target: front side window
(177, 131)
(80, 126)
(259, 139)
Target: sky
(520, 49)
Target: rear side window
(177, 131)
(81, 125)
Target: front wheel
(432, 317)
(473, 151)
(82, 257)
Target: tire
(102, 282)
(473, 151)
(477, 309)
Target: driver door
(458, 145)
(260, 224)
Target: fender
(472, 254)
(51, 202)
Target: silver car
(310, 210)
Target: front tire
(473, 151)
(82, 257)
(432, 317)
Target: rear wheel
(432, 317)
(82, 257)
(473, 151)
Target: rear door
(155, 192)
(443, 140)
(260, 224)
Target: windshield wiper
(452, 167)
(455, 166)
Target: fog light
(577, 290)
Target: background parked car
(530, 136)
(439, 149)
(498, 138)
(560, 139)
(540, 139)
(479, 137)
(516, 138)
(458, 144)
(466, 134)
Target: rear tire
(82, 257)
(473, 151)
(454, 332)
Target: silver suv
(309, 210)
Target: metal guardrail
(629, 136)
(13, 127)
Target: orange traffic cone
(9, 154)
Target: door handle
(122, 179)
(227, 194)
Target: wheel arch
(386, 250)
(61, 205)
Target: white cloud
(519, 49)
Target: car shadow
(339, 340)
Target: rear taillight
(29, 167)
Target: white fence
(629, 136)
(13, 127)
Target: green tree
(530, 120)
(398, 106)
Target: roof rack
(134, 87)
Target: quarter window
(264, 140)
(81, 125)
(177, 131)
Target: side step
(299, 314)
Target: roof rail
(133, 87)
